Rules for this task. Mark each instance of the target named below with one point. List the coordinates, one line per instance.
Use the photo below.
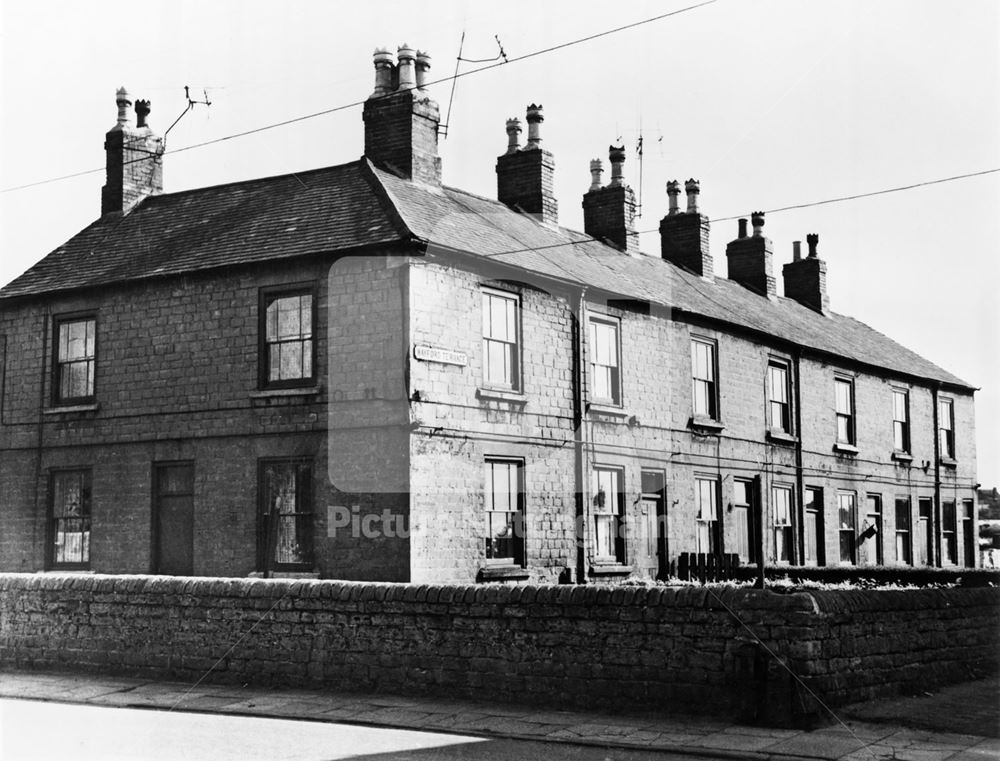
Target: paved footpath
(851, 740)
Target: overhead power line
(354, 104)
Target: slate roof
(357, 204)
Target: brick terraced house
(358, 372)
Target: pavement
(930, 734)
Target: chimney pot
(124, 100)
(757, 221)
(805, 278)
(534, 117)
(513, 135)
(596, 170)
(673, 192)
(133, 159)
(407, 74)
(616, 155)
(383, 72)
(525, 176)
(692, 187)
(750, 258)
(142, 109)
(423, 68)
(742, 226)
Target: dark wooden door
(173, 516)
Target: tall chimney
(134, 158)
(525, 175)
(609, 212)
(750, 258)
(684, 235)
(805, 279)
(401, 119)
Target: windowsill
(501, 572)
(269, 393)
(70, 408)
(782, 438)
(609, 568)
(606, 408)
(78, 571)
(501, 395)
(901, 456)
(704, 424)
(948, 462)
(842, 448)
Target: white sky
(769, 103)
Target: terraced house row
(361, 373)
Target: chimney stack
(684, 235)
(134, 158)
(401, 119)
(609, 212)
(750, 258)
(805, 279)
(525, 175)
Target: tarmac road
(42, 731)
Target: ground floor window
(608, 499)
(949, 532)
(815, 538)
(781, 515)
(924, 538)
(707, 495)
(504, 512)
(903, 530)
(286, 510)
(870, 536)
(70, 510)
(846, 508)
(744, 520)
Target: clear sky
(768, 103)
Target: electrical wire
(355, 104)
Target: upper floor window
(287, 346)
(703, 371)
(609, 517)
(70, 510)
(946, 427)
(505, 512)
(604, 361)
(76, 359)
(501, 354)
(900, 420)
(777, 395)
(845, 410)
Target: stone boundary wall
(650, 647)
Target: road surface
(42, 731)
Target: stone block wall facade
(686, 648)
(401, 423)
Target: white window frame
(783, 425)
(711, 384)
(901, 420)
(782, 534)
(849, 416)
(498, 341)
(510, 504)
(603, 363)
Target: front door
(651, 521)
(173, 519)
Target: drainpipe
(800, 500)
(936, 518)
(579, 444)
(46, 327)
